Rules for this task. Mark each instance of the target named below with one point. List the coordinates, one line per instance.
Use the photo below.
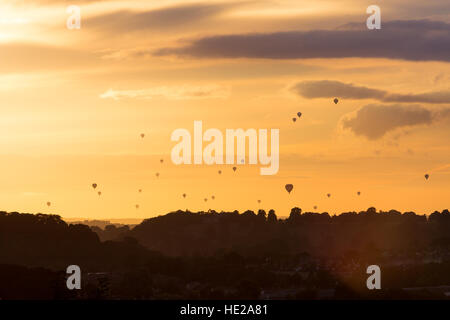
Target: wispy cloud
(162, 18)
(173, 93)
(330, 89)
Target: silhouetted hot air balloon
(99, 193)
(336, 100)
(259, 201)
(427, 176)
(137, 206)
(49, 204)
(140, 190)
(162, 160)
(289, 187)
(315, 207)
(206, 199)
(142, 135)
(328, 195)
(157, 174)
(184, 195)
(359, 193)
(234, 168)
(220, 171)
(94, 185)
(294, 119)
(299, 114)
(213, 197)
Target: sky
(74, 103)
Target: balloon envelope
(328, 195)
(234, 168)
(142, 135)
(94, 185)
(49, 204)
(289, 187)
(294, 119)
(336, 100)
(427, 176)
(299, 114)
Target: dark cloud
(373, 121)
(408, 40)
(165, 18)
(331, 89)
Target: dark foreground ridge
(228, 255)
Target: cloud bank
(373, 121)
(417, 40)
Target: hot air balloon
(157, 174)
(184, 195)
(94, 185)
(142, 135)
(299, 114)
(328, 195)
(213, 197)
(140, 190)
(206, 199)
(359, 193)
(162, 160)
(427, 176)
(294, 119)
(234, 168)
(289, 187)
(315, 207)
(336, 100)
(99, 193)
(220, 171)
(259, 201)
(137, 206)
(49, 204)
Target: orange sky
(74, 102)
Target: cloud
(417, 40)
(373, 121)
(172, 93)
(331, 89)
(164, 18)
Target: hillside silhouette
(211, 255)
